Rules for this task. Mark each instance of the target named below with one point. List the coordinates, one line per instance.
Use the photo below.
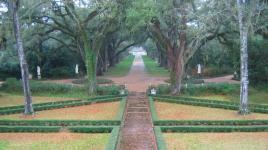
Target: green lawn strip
(210, 122)
(161, 145)
(153, 68)
(56, 105)
(211, 103)
(122, 107)
(122, 68)
(59, 122)
(113, 139)
(214, 128)
(153, 109)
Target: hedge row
(60, 122)
(262, 106)
(4, 129)
(214, 128)
(161, 145)
(230, 106)
(210, 122)
(62, 102)
(113, 139)
(57, 106)
(99, 129)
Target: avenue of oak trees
(101, 30)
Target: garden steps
(137, 130)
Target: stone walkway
(137, 130)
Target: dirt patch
(98, 111)
(224, 79)
(219, 141)
(169, 111)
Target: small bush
(108, 90)
(13, 85)
(99, 81)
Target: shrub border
(198, 102)
(214, 128)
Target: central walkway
(137, 130)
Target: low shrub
(4, 129)
(108, 90)
(100, 129)
(59, 122)
(99, 81)
(13, 85)
(214, 128)
(210, 122)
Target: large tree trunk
(241, 5)
(177, 71)
(23, 64)
(91, 65)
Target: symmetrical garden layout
(115, 122)
(46, 129)
(188, 123)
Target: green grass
(64, 141)
(122, 68)
(216, 141)
(152, 67)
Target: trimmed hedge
(56, 105)
(99, 129)
(210, 122)
(4, 129)
(210, 103)
(63, 102)
(113, 139)
(263, 106)
(60, 122)
(161, 145)
(214, 128)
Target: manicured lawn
(52, 141)
(170, 111)
(98, 111)
(11, 100)
(216, 141)
(122, 68)
(152, 67)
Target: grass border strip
(122, 107)
(161, 144)
(113, 139)
(153, 109)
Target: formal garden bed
(92, 123)
(194, 123)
